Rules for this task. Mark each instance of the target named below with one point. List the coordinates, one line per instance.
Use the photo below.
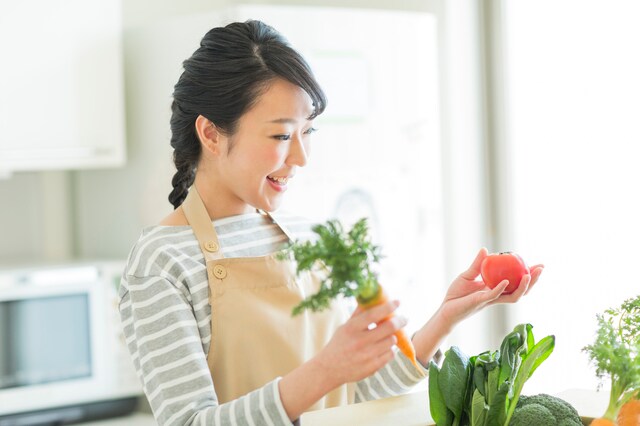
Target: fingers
(535, 274)
(374, 346)
(473, 286)
(517, 294)
(496, 292)
(364, 318)
(387, 329)
(523, 287)
(376, 363)
(474, 269)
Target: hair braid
(186, 152)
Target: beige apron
(254, 338)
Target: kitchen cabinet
(61, 85)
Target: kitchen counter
(413, 410)
(406, 410)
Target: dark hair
(222, 80)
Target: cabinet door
(61, 85)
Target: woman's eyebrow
(285, 121)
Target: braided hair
(222, 80)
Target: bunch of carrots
(616, 355)
(347, 259)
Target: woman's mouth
(279, 183)
(279, 180)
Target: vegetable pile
(484, 390)
(346, 259)
(616, 355)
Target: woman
(204, 303)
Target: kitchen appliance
(62, 354)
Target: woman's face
(272, 140)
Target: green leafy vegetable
(530, 363)
(346, 257)
(616, 352)
(455, 376)
(479, 408)
(487, 385)
(438, 408)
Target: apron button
(211, 246)
(219, 271)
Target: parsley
(616, 352)
(346, 259)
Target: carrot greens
(616, 353)
(346, 259)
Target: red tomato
(503, 266)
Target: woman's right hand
(356, 351)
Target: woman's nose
(298, 152)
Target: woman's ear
(210, 136)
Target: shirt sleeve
(395, 378)
(167, 352)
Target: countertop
(406, 410)
(413, 410)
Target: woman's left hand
(467, 294)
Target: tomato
(497, 267)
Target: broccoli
(544, 410)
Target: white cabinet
(61, 85)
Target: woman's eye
(286, 137)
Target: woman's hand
(355, 351)
(467, 294)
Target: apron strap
(203, 228)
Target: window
(573, 102)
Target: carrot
(629, 414)
(346, 259)
(377, 296)
(601, 421)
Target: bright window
(574, 132)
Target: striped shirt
(166, 319)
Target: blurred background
(453, 125)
